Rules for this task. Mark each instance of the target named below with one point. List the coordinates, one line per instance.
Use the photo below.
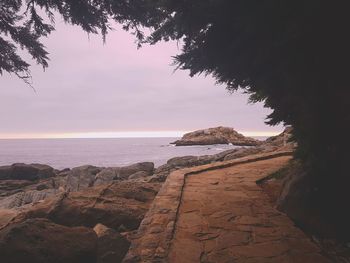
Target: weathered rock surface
(17, 192)
(112, 246)
(41, 241)
(6, 216)
(134, 171)
(313, 203)
(297, 194)
(10, 187)
(282, 139)
(27, 197)
(119, 203)
(161, 173)
(81, 177)
(218, 135)
(21, 171)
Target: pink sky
(91, 88)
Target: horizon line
(112, 135)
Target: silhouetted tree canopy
(292, 55)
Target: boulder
(21, 171)
(283, 139)
(138, 175)
(218, 135)
(315, 202)
(120, 203)
(242, 152)
(5, 172)
(112, 246)
(10, 187)
(25, 198)
(64, 172)
(126, 171)
(81, 177)
(161, 173)
(188, 161)
(107, 175)
(122, 173)
(41, 241)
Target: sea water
(68, 153)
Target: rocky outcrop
(118, 204)
(6, 216)
(161, 173)
(282, 139)
(133, 171)
(86, 176)
(81, 177)
(112, 246)
(41, 241)
(59, 228)
(16, 193)
(218, 135)
(30, 172)
(110, 200)
(27, 197)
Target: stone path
(217, 213)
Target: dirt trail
(225, 217)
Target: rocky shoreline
(101, 206)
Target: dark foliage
(292, 55)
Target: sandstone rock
(21, 171)
(120, 203)
(41, 241)
(218, 135)
(6, 216)
(112, 246)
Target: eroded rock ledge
(218, 135)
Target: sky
(93, 89)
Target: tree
(24, 22)
(292, 55)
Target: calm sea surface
(62, 153)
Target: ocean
(68, 153)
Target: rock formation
(218, 135)
(111, 246)
(113, 205)
(99, 205)
(40, 240)
(59, 229)
(31, 172)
